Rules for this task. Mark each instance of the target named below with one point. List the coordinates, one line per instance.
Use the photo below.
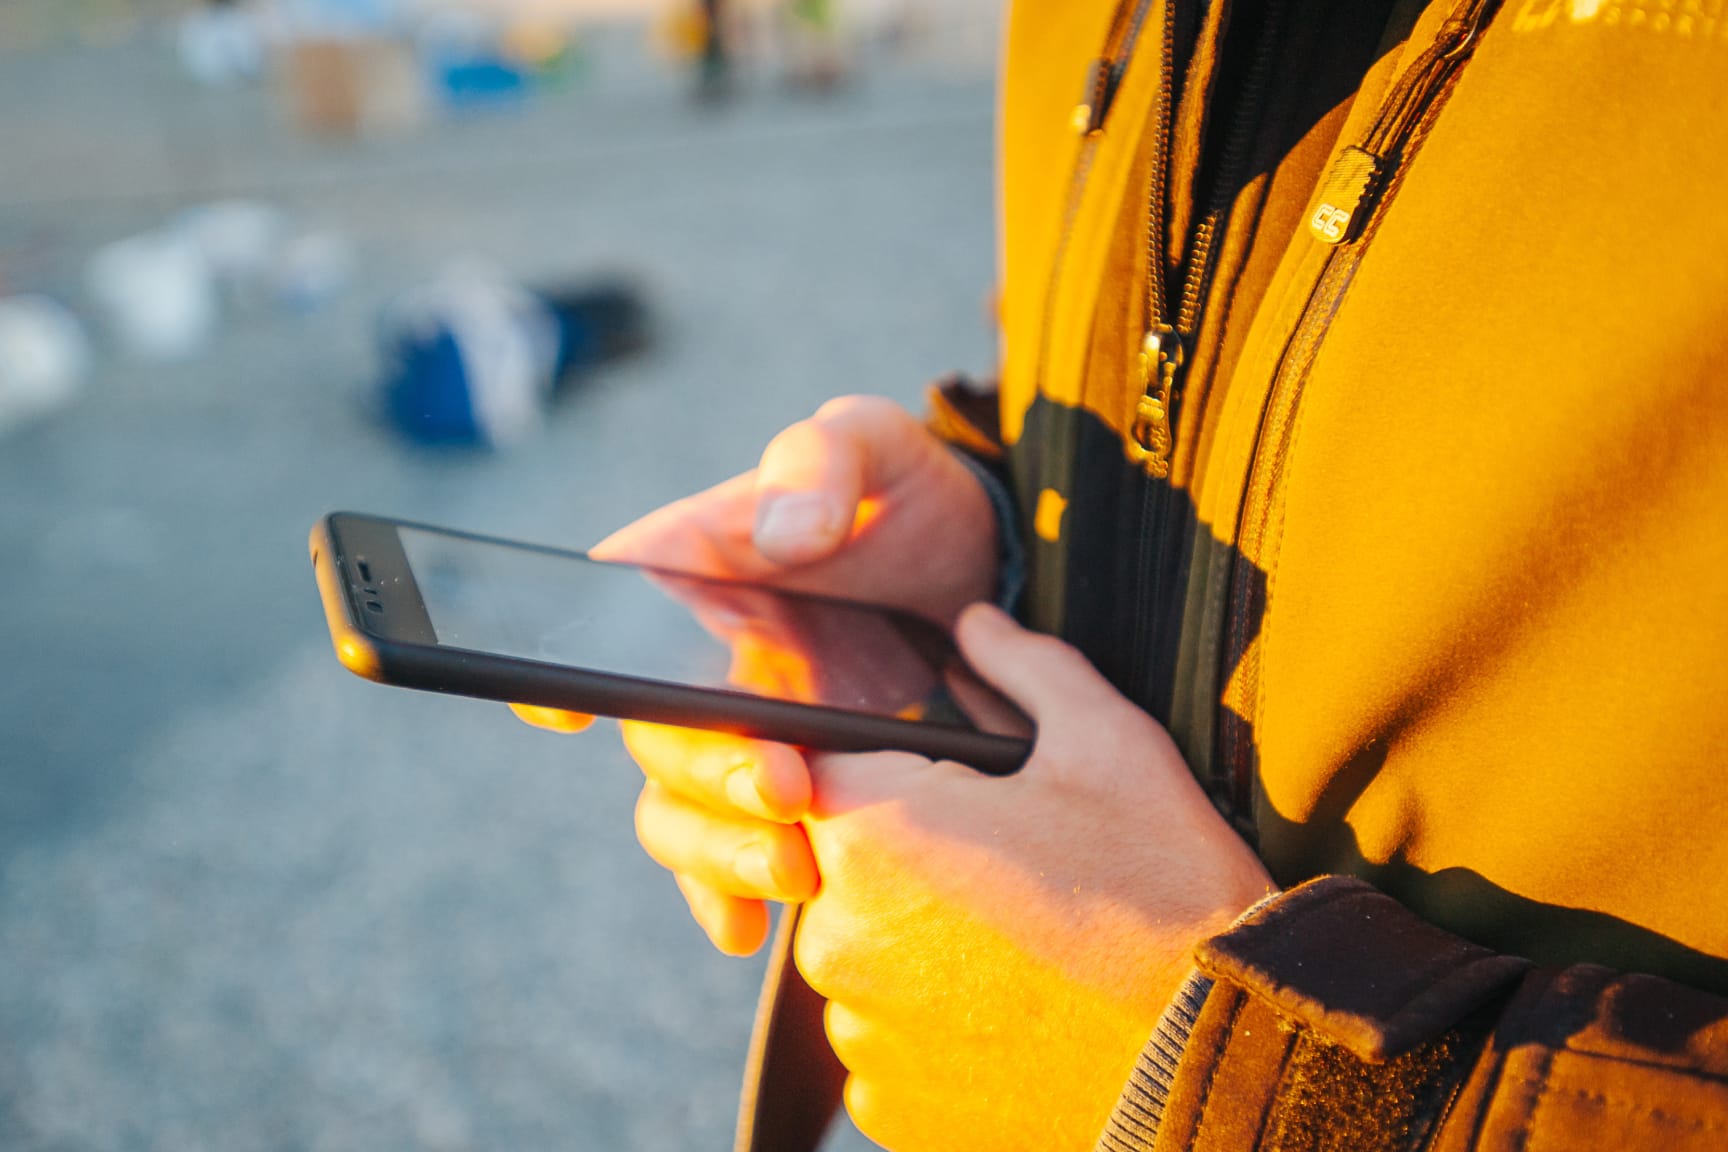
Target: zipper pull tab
(1161, 357)
(1347, 196)
(1088, 115)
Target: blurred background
(526, 267)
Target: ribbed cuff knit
(1133, 1124)
(1010, 549)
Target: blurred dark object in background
(714, 61)
(475, 359)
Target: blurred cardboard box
(351, 86)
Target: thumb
(1051, 681)
(815, 476)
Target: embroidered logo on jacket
(1691, 19)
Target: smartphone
(448, 611)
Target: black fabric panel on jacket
(1084, 585)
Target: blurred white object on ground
(157, 292)
(44, 358)
(312, 269)
(220, 46)
(240, 240)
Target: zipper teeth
(1201, 251)
(1229, 165)
(1188, 314)
(1151, 505)
(1450, 43)
(1156, 300)
(1265, 471)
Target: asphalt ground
(248, 901)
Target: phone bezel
(396, 644)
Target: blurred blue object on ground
(479, 80)
(474, 358)
(473, 60)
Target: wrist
(1009, 562)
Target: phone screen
(560, 608)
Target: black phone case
(490, 676)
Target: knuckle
(1058, 652)
(865, 419)
(643, 743)
(846, 1034)
(793, 441)
(819, 953)
(849, 407)
(649, 808)
(791, 861)
(870, 1113)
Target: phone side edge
(357, 651)
(489, 676)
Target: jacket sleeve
(1334, 1018)
(966, 413)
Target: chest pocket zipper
(1359, 173)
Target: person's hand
(996, 952)
(859, 501)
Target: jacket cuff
(1010, 549)
(1335, 1013)
(1133, 1124)
(1338, 958)
(963, 413)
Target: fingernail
(751, 866)
(741, 790)
(795, 517)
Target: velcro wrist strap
(1337, 957)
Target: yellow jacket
(1411, 522)
(1455, 596)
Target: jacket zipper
(1104, 74)
(1358, 175)
(1351, 202)
(1163, 350)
